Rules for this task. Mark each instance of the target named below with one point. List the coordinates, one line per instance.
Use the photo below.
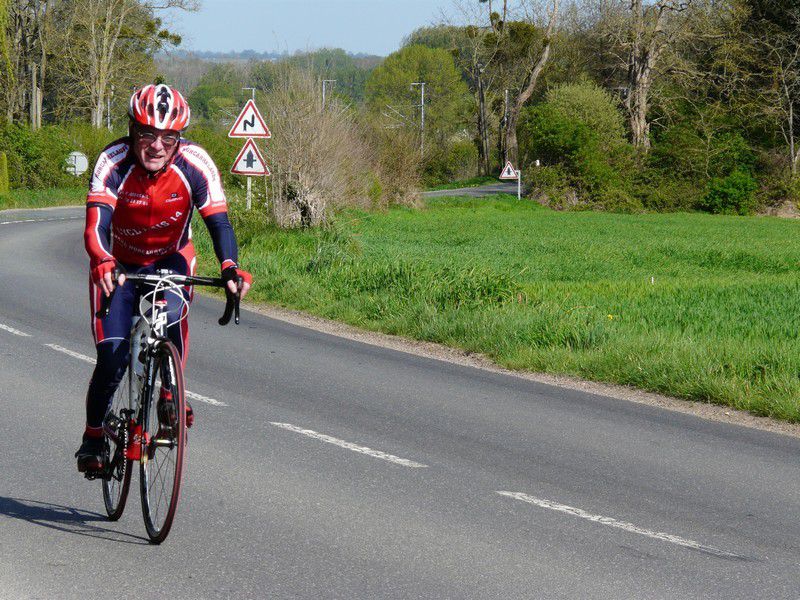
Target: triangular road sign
(509, 172)
(250, 161)
(249, 123)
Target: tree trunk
(483, 129)
(642, 59)
(512, 146)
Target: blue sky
(370, 26)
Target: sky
(368, 26)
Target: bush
(699, 154)
(36, 159)
(591, 163)
(734, 194)
(457, 161)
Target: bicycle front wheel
(164, 432)
(117, 478)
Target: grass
(465, 183)
(691, 305)
(43, 198)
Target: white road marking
(91, 360)
(630, 527)
(350, 446)
(205, 399)
(39, 220)
(14, 331)
(68, 352)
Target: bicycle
(146, 422)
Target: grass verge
(691, 305)
(43, 198)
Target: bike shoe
(166, 411)
(90, 455)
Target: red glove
(233, 274)
(99, 270)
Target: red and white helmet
(161, 107)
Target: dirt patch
(437, 351)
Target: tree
(389, 91)
(108, 42)
(528, 68)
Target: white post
(249, 193)
(519, 185)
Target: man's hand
(231, 275)
(103, 276)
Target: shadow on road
(64, 518)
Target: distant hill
(248, 55)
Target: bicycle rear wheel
(161, 466)
(117, 479)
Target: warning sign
(250, 162)
(509, 172)
(249, 123)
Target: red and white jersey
(152, 212)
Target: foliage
(579, 129)
(734, 194)
(36, 158)
(455, 161)
(389, 92)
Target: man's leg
(111, 335)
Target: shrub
(734, 194)
(456, 161)
(591, 160)
(699, 153)
(36, 159)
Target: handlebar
(231, 300)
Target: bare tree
(641, 32)
(102, 34)
(532, 65)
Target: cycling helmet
(159, 106)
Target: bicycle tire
(161, 466)
(117, 481)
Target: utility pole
(504, 144)
(421, 85)
(324, 84)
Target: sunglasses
(168, 139)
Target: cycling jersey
(138, 217)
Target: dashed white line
(630, 527)
(39, 220)
(14, 331)
(206, 399)
(91, 360)
(69, 352)
(350, 446)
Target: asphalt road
(501, 187)
(332, 469)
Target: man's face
(153, 147)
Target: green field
(692, 305)
(43, 198)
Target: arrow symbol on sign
(250, 160)
(250, 123)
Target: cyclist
(138, 217)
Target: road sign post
(509, 172)
(250, 124)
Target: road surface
(321, 467)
